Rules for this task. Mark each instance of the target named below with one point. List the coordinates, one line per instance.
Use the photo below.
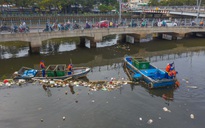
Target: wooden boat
(141, 69)
(52, 72)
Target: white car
(169, 23)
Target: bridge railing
(39, 25)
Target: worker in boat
(172, 73)
(169, 67)
(69, 69)
(42, 65)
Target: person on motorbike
(76, 26)
(14, 27)
(20, 28)
(24, 25)
(67, 25)
(87, 25)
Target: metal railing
(39, 25)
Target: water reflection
(47, 90)
(7, 52)
(71, 89)
(165, 93)
(107, 41)
(55, 47)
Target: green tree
(153, 2)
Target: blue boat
(140, 69)
(52, 72)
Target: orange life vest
(168, 68)
(42, 65)
(69, 67)
(172, 73)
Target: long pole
(198, 4)
(120, 10)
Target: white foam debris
(105, 85)
(140, 118)
(193, 87)
(166, 109)
(150, 121)
(192, 116)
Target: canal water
(131, 106)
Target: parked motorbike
(87, 26)
(27, 29)
(76, 26)
(5, 28)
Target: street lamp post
(120, 9)
(198, 5)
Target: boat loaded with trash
(138, 68)
(57, 71)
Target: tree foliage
(172, 2)
(104, 5)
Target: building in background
(137, 4)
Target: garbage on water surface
(93, 85)
(150, 121)
(193, 87)
(104, 85)
(166, 109)
(192, 116)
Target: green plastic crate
(140, 63)
(60, 69)
(50, 73)
(60, 73)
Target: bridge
(173, 12)
(170, 11)
(132, 35)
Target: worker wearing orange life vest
(170, 70)
(168, 67)
(173, 73)
(42, 65)
(69, 69)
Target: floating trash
(192, 116)
(93, 101)
(150, 121)
(63, 117)
(41, 120)
(166, 109)
(166, 97)
(140, 118)
(104, 85)
(193, 87)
